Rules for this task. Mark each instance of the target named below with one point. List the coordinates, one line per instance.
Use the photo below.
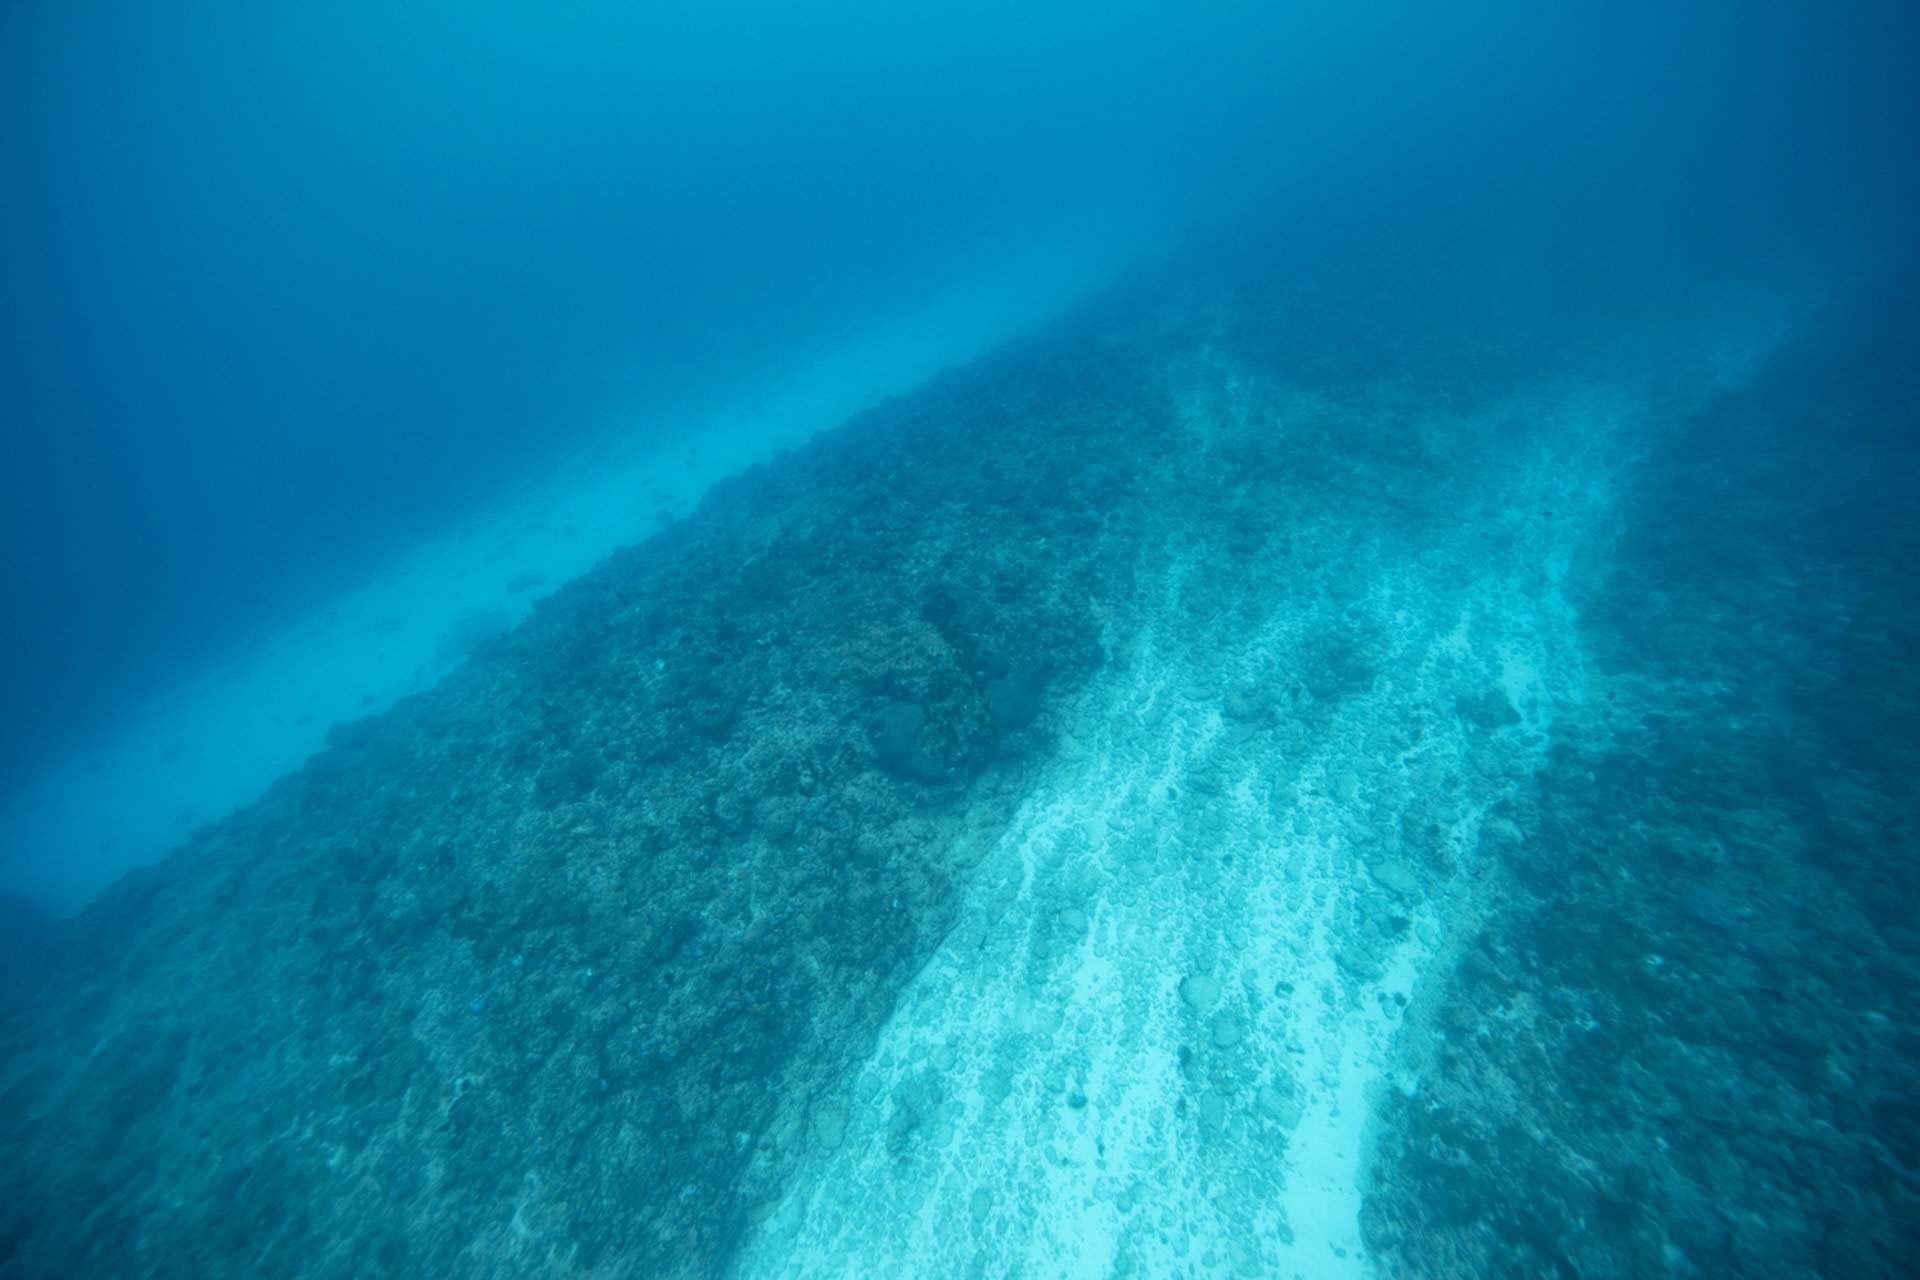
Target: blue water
(1379, 743)
(285, 291)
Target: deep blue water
(286, 289)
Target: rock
(896, 739)
(1358, 961)
(1279, 1104)
(1243, 704)
(1504, 831)
(1490, 710)
(1398, 877)
(1199, 992)
(830, 1125)
(1014, 699)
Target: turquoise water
(1378, 742)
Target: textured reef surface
(1282, 772)
(1688, 1045)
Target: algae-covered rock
(896, 740)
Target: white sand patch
(1155, 1041)
(217, 743)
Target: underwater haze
(1045, 640)
(287, 290)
